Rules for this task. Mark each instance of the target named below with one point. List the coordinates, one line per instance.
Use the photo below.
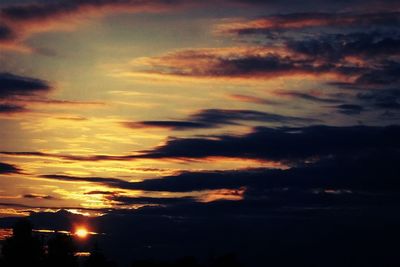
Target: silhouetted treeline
(228, 260)
(23, 249)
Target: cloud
(381, 98)
(290, 145)
(357, 175)
(281, 144)
(335, 47)
(377, 85)
(355, 185)
(350, 109)
(309, 97)
(12, 86)
(67, 178)
(244, 62)
(11, 108)
(38, 196)
(72, 118)
(67, 157)
(387, 74)
(230, 116)
(298, 21)
(6, 33)
(362, 52)
(6, 168)
(126, 200)
(356, 158)
(97, 192)
(23, 20)
(173, 125)
(211, 118)
(252, 99)
(16, 90)
(56, 10)
(353, 173)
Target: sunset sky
(111, 106)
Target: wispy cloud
(241, 62)
(38, 196)
(211, 118)
(6, 168)
(281, 144)
(12, 86)
(21, 21)
(309, 97)
(18, 93)
(296, 21)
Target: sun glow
(81, 232)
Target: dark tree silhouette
(227, 260)
(22, 248)
(61, 250)
(98, 259)
(186, 262)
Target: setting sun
(81, 232)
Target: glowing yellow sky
(105, 66)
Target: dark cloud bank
(212, 118)
(15, 90)
(6, 168)
(339, 201)
(358, 51)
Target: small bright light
(81, 232)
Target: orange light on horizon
(81, 232)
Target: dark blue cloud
(11, 108)
(6, 168)
(387, 99)
(386, 74)
(306, 20)
(350, 109)
(211, 118)
(174, 125)
(311, 97)
(38, 196)
(126, 200)
(337, 46)
(250, 65)
(357, 159)
(282, 144)
(12, 85)
(6, 33)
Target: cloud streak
(297, 21)
(345, 173)
(282, 144)
(12, 86)
(290, 145)
(16, 90)
(6, 168)
(21, 21)
(212, 118)
(250, 62)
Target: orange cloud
(19, 22)
(261, 62)
(295, 21)
(223, 194)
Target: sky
(163, 112)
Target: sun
(81, 232)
